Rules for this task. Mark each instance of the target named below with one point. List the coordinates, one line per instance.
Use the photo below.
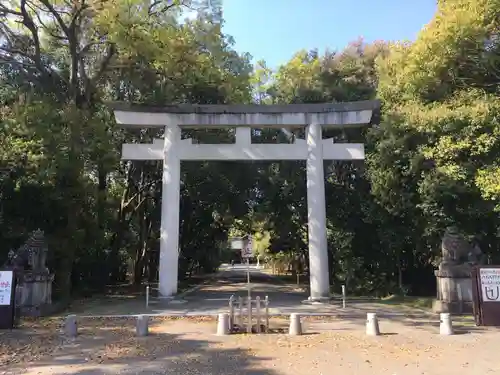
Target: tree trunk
(101, 195)
(145, 230)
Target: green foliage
(433, 161)
(436, 151)
(59, 149)
(456, 50)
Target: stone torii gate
(314, 149)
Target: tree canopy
(433, 161)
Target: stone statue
(476, 256)
(18, 260)
(34, 281)
(457, 251)
(37, 251)
(453, 278)
(32, 255)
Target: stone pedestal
(454, 290)
(34, 293)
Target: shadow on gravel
(110, 347)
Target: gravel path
(212, 298)
(190, 347)
(410, 343)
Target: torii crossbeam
(314, 149)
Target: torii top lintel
(346, 114)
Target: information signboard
(7, 300)
(247, 250)
(489, 279)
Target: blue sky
(274, 30)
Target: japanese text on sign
(490, 284)
(247, 250)
(5, 287)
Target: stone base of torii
(314, 149)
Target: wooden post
(240, 302)
(266, 304)
(231, 312)
(257, 313)
(249, 323)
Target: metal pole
(147, 296)
(343, 296)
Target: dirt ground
(189, 346)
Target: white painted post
(147, 297)
(343, 296)
(170, 203)
(223, 325)
(445, 325)
(231, 312)
(71, 326)
(142, 326)
(372, 328)
(316, 215)
(295, 328)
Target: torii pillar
(316, 214)
(314, 149)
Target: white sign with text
(247, 250)
(6, 281)
(490, 284)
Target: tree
(337, 76)
(435, 154)
(67, 60)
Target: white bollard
(70, 326)
(223, 325)
(147, 296)
(142, 326)
(445, 326)
(343, 296)
(231, 312)
(295, 328)
(372, 328)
